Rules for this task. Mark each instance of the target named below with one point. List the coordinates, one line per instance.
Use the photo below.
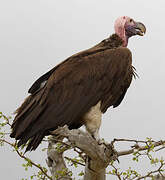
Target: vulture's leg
(95, 135)
(92, 121)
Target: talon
(102, 141)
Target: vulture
(80, 89)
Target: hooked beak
(140, 28)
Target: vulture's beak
(140, 28)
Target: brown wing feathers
(72, 88)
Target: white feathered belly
(92, 118)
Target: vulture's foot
(102, 141)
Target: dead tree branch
(98, 156)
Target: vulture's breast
(92, 119)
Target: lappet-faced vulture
(77, 91)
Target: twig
(6, 119)
(140, 148)
(129, 140)
(27, 159)
(160, 149)
(152, 172)
(116, 172)
(70, 159)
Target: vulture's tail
(26, 118)
(33, 143)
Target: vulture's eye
(131, 20)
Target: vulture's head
(125, 27)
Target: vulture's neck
(112, 42)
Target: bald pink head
(119, 28)
(126, 27)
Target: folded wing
(71, 89)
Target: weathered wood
(56, 162)
(91, 173)
(98, 156)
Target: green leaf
(81, 173)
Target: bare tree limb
(98, 156)
(55, 161)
